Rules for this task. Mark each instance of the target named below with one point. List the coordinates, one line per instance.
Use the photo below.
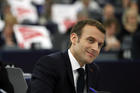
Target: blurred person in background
(3, 3)
(130, 23)
(88, 5)
(8, 33)
(45, 13)
(45, 17)
(5, 84)
(138, 2)
(130, 27)
(108, 12)
(126, 4)
(134, 5)
(112, 28)
(129, 4)
(136, 46)
(91, 7)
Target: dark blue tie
(80, 80)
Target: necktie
(80, 80)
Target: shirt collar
(74, 63)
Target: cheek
(85, 47)
(81, 49)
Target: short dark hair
(77, 28)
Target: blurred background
(30, 29)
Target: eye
(100, 45)
(91, 40)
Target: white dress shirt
(75, 65)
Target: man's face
(86, 48)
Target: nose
(95, 46)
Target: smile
(90, 54)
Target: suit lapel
(89, 77)
(69, 69)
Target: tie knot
(81, 71)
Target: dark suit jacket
(53, 74)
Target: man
(57, 73)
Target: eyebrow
(90, 37)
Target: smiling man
(72, 71)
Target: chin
(89, 61)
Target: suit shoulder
(94, 66)
(52, 58)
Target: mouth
(91, 54)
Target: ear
(73, 38)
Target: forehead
(92, 31)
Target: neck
(75, 56)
